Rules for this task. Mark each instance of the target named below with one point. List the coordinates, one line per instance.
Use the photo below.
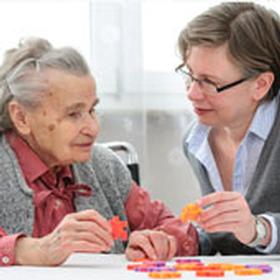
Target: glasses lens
(208, 88)
(188, 80)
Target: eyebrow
(211, 77)
(80, 105)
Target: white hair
(22, 75)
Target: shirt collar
(34, 167)
(198, 138)
(264, 119)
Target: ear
(19, 117)
(263, 84)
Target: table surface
(111, 267)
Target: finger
(217, 197)
(134, 254)
(92, 215)
(218, 209)
(93, 239)
(160, 242)
(97, 232)
(226, 217)
(71, 243)
(172, 247)
(140, 241)
(222, 227)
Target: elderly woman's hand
(85, 231)
(151, 244)
(227, 212)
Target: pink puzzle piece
(119, 228)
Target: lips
(85, 144)
(202, 111)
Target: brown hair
(251, 32)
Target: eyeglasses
(207, 86)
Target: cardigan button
(5, 260)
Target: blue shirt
(247, 155)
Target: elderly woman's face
(64, 128)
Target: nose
(90, 126)
(194, 92)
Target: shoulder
(7, 161)
(10, 172)
(105, 159)
(107, 165)
(101, 153)
(7, 156)
(105, 169)
(3, 143)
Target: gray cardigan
(263, 195)
(104, 173)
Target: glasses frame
(218, 89)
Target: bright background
(131, 48)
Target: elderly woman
(58, 189)
(231, 56)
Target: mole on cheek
(51, 127)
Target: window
(130, 44)
(61, 22)
(162, 22)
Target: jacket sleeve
(275, 243)
(144, 213)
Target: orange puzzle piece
(165, 274)
(248, 271)
(119, 228)
(210, 273)
(190, 212)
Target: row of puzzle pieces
(160, 269)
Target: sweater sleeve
(143, 213)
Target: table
(113, 267)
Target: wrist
(262, 232)
(26, 251)
(267, 238)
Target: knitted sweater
(108, 178)
(262, 196)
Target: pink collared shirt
(53, 200)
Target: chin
(83, 158)
(207, 121)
